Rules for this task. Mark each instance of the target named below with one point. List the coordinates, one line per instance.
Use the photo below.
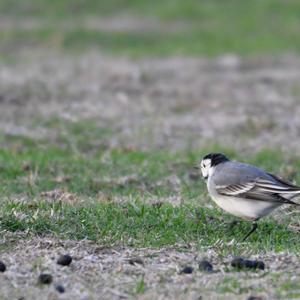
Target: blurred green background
(152, 28)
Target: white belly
(244, 208)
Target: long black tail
(287, 201)
(293, 203)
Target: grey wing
(233, 173)
(241, 180)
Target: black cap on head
(216, 158)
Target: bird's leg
(254, 227)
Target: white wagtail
(244, 190)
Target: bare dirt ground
(117, 273)
(173, 103)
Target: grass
(231, 285)
(166, 9)
(289, 289)
(121, 194)
(207, 28)
(140, 224)
(33, 168)
(140, 286)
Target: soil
(117, 273)
(174, 103)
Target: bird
(244, 190)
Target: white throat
(211, 171)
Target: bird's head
(209, 161)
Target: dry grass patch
(145, 273)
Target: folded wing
(272, 189)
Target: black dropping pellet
(2, 266)
(238, 263)
(205, 266)
(45, 278)
(64, 260)
(136, 260)
(250, 264)
(254, 298)
(60, 288)
(258, 264)
(187, 270)
(241, 263)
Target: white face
(205, 167)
